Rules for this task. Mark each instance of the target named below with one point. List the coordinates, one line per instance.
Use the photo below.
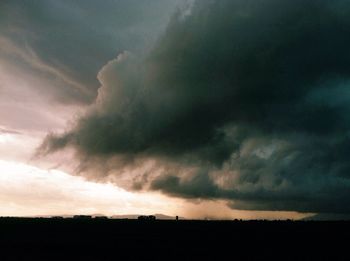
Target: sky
(196, 108)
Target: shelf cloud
(242, 100)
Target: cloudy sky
(207, 108)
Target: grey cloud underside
(242, 100)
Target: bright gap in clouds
(30, 191)
(27, 191)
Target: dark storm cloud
(69, 41)
(240, 100)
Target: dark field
(99, 239)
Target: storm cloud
(243, 100)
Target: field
(111, 239)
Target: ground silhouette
(125, 239)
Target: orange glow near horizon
(30, 191)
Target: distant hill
(135, 216)
(130, 216)
(50, 216)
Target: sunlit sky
(201, 109)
